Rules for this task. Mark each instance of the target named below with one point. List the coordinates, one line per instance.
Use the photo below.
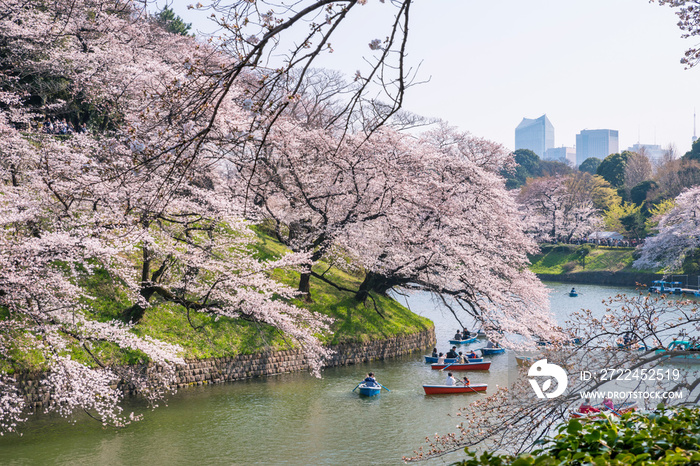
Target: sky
(586, 64)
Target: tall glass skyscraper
(536, 135)
(596, 143)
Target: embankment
(606, 278)
(244, 366)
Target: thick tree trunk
(377, 283)
(135, 313)
(304, 284)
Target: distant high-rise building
(653, 151)
(596, 143)
(536, 135)
(695, 138)
(566, 155)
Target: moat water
(291, 419)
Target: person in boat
(471, 355)
(370, 381)
(491, 344)
(452, 353)
(450, 380)
(465, 381)
(573, 291)
(461, 359)
(586, 407)
(465, 334)
(435, 353)
(441, 359)
(458, 336)
(608, 403)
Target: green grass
(208, 338)
(354, 321)
(205, 337)
(560, 259)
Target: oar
(383, 387)
(612, 411)
(357, 386)
(450, 364)
(470, 388)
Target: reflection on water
(291, 418)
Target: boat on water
(463, 342)
(661, 286)
(433, 360)
(691, 351)
(492, 351)
(369, 391)
(471, 366)
(452, 389)
(573, 294)
(619, 410)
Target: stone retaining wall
(244, 366)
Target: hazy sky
(587, 64)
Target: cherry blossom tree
(559, 208)
(111, 200)
(678, 234)
(313, 187)
(689, 22)
(454, 231)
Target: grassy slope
(559, 259)
(354, 321)
(225, 337)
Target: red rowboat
(472, 366)
(447, 389)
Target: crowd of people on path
(61, 126)
(609, 242)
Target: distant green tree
(612, 168)
(528, 160)
(528, 166)
(590, 165)
(691, 262)
(553, 168)
(694, 152)
(634, 224)
(638, 194)
(172, 22)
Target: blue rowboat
(688, 351)
(369, 391)
(463, 342)
(491, 351)
(573, 294)
(432, 360)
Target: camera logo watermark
(542, 368)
